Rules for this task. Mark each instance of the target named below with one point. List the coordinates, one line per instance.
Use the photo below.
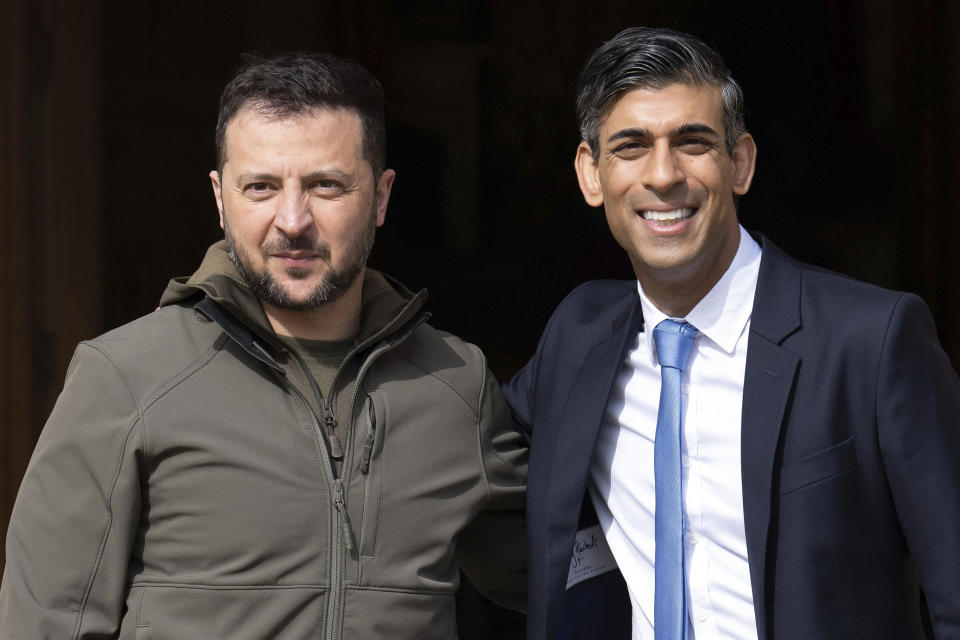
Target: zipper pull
(329, 420)
(342, 508)
(368, 443)
(329, 426)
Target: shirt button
(685, 389)
(702, 616)
(693, 538)
(685, 462)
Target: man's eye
(631, 148)
(258, 188)
(696, 145)
(327, 187)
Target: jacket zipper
(344, 519)
(342, 530)
(371, 437)
(340, 526)
(341, 534)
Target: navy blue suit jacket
(850, 458)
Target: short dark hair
(294, 83)
(641, 57)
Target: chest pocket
(371, 466)
(818, 466)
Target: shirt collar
(723, 313)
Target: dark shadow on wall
(850, 103)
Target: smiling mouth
(667, 218)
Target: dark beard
(334, 284)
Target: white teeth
(667, 216)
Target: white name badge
(591, 556)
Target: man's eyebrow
(310, 177)
(629, 132)
(326, 175)
(682, 130)
(693, 127)
(255, 177)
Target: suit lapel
(578, 427)
(767, 387)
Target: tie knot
(674, 341)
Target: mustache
(298, 243)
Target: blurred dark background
(107, 111)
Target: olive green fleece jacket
(182, 488)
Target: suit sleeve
(76, 514)
(918, 416)
(519, 395)
(492, 550)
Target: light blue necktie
(674, 341)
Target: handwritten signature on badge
(580, 548)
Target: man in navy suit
(819, 418)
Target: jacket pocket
(818, 466)
(214, 610)
(371, 466)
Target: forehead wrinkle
(265, 147)
(652, 94)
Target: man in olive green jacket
(284, 449)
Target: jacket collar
(767, 388)
(605, 333)
(388, 306)
(776, 307)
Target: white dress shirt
(717, 576)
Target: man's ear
(588, 175)
(384, 184)
(744, 161)
(217, 193)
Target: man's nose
(661, 171)
(293, 216)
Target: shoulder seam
(459, 392)
(485, 440)
(882, 358)
(187, 371)
(141, 409)
(113, 485)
